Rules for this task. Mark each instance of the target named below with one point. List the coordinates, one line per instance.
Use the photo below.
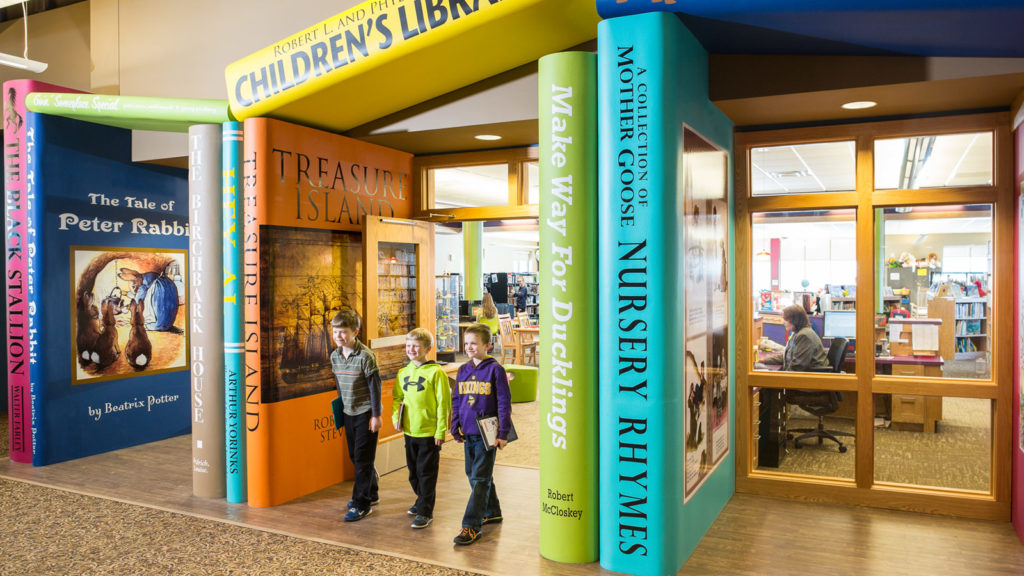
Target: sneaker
(491, 520)
(422, 521)
(352, 503)
(411, 511)
(355, 514)
(467, 537)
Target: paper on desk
(924, 337)
(894, 332)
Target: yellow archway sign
(386, 55)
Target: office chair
(821, 403)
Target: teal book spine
(205, 314)
(640, 323)
(234, 351)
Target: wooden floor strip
(754, 535)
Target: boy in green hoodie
(422, 386)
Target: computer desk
(904, 411)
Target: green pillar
(473, 245)
(568, 377)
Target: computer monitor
(840, 324)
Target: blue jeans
(483, 500)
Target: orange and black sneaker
(467, 537)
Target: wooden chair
(524, 319)
(511, 345)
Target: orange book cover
(306, 194)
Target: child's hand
(438, 441)
(500, 443)
(375, 423)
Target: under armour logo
(418, 384)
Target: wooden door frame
(376, 230)
(863, 490)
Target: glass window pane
(808, 259)
(785, 432)
(935, 316)
(532, 183)
(936, 161)
(396, 288)
(470, 186)
(933, 441)
(803, 168)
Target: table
(905, 411)
(522, 333)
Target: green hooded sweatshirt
(427, 397)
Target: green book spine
(568, 307)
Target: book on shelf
(234, 347)
(206, 311)
(108, 269)
(306, 193)
(19, 366)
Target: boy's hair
(482, 331)
(347, 319)
(423, 336)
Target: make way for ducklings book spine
(16, 280)
(108, 241)
(306, 194)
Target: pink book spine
(19, 399)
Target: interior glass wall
(936, 292)
(895, 238)
(807, 259)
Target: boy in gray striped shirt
(355, 369)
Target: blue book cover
(234, 348)
(108, 268)
(665, 463)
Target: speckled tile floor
(46, 531)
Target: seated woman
(489, 316)
(804, 351)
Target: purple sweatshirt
(481, 390)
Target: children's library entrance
(874, 323)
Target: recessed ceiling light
(860, 105)
(487, 137)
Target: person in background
(804, 351)
(521, 295)
(489, 314)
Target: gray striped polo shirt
(357, 375)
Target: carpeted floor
(47, 532)
(907, 457)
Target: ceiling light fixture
(859, 105)
(14, 61)
(487, 137)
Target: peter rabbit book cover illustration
(108, 245)
(16, 276)
(306, 193)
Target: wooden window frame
(863, 489)
(514, 158)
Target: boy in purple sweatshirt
(481, 391)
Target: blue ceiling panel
(982, 28)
